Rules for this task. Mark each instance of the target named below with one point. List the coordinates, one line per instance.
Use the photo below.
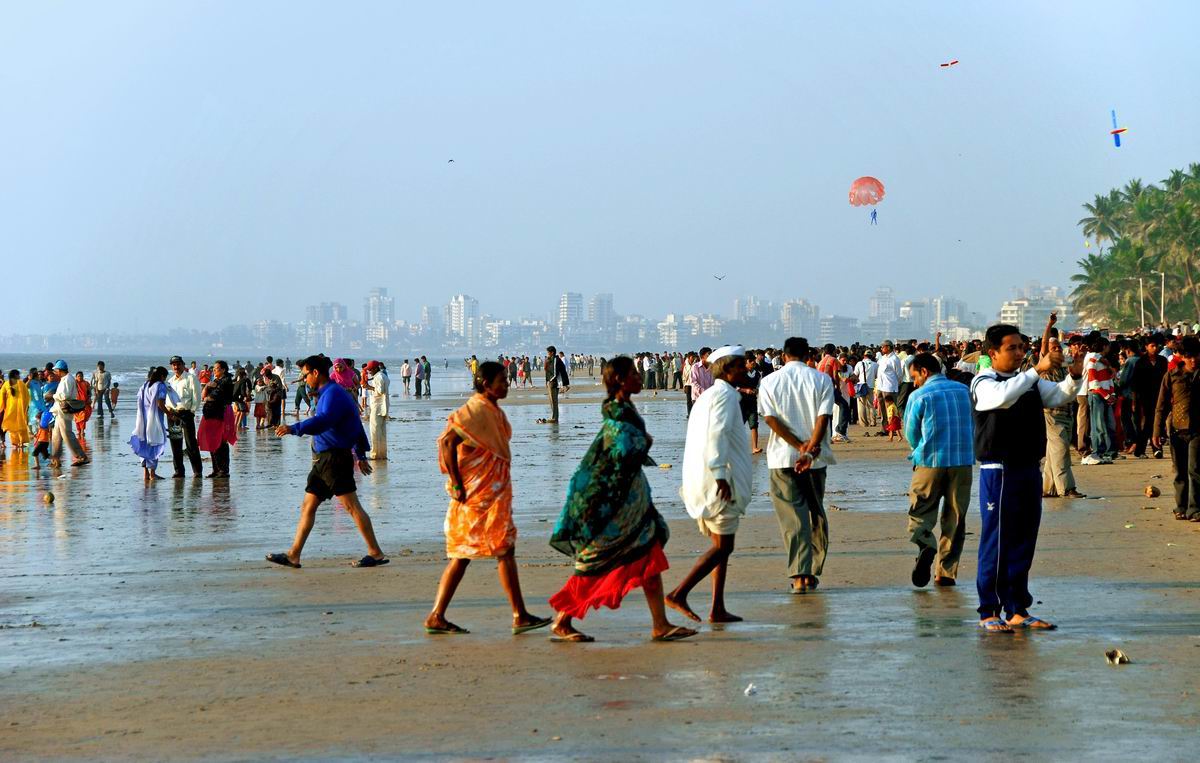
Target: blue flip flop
(1034, 624)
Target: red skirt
(584, 592)
(213, 432)
(260, 410)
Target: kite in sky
(948, 64)
(1116, 131)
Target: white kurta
(717, 447)
(378, 407)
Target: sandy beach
(164, 636)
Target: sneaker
(1090, 461)
(1106, 460)
(839, 438)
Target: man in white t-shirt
(887, 379)
(796, 402)
(864, 371)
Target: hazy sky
(200, 164)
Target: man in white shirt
(406, 375)
(864, 371)
(718, 478)
(64, 418)
(183, 413)
(887, 378)
(378, 407)
(796, 402)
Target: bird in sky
(719, 278)
(450, 162)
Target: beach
(142, 622)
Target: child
(260, 403)
(42, 440)
(892, 417)
(115, 393)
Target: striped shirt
(939, 424)
(1100, 378)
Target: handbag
(73, 405)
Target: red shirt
(830, 366)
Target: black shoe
(1158, 454)
(922, 569)
(177, 476)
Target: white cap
(727, 350)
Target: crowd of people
(1011, 405)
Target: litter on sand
(751, 690)
(1116, 657)
(1129, 525)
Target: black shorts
(332, 474)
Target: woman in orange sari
(474, 455)
(85, 394)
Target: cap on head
(373, 366)
(176, 359)
(60, 365)
(728, 350)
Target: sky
(203, 164)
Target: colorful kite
(1116, 131)
(948, 64)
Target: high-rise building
(839, 329)
(800, 318)
(570, 311)
(1031, 311)
(378, 307)
(462, 315)
(882, 306)
(326, 312)
(600, 312)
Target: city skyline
(592, 323)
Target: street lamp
(1162, 300)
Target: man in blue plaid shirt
(940, 426)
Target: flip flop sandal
(994, 625)
(450, 630)
(1034, 624)
(574, 638)
(370, 561)
(540, 622)
(282, 559)
(678, 633)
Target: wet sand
(162, 635)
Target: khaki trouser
(377, 432)
(64, 434)
(1057, 478)
(1082, 423)
(866, 411)
(799, 501)
(951, 487)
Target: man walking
(183, 414)
(940, 426)
(338, 439)
(1010, 442)
(66, 405)
(101, 387)
(796, 402)
(428, 374)
(864, 371)
(718, 478)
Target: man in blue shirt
(338, 440)
(940, 425)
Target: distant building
(378, 307)
(570, 311)
(1030, 314)
(839, 329)
(800, 318)
(462, 318)
(882, 305)
(600, 312)
(326, 312)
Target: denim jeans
(1103, 426)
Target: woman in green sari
(609, 525)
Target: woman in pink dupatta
(474, 455)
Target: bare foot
(723, 617)
(681, 606)
(757, 450)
